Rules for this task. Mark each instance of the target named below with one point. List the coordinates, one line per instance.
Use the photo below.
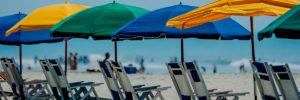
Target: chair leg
(86, 95)
(49, 92)
(158, 94)
(37, 93)
(3, 93)
(95, 93)
(144, 96)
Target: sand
(235, 82)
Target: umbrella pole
(116, 51)
(182, 50)
(253, 52)
(20, 58)
(66, 56)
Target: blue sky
(204, 51)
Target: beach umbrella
(45, 17)
(153, 25)
(225, 8)
(22, 37)
(97, 22)
(287, 26)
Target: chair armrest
(75, 83)
(232, 94)
(221, 92)
(153, 89)
(138, 86)
(212, 90)
(87, 84)
(33, 82)
(147, 88)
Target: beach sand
(235, 82)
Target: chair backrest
(265, 81)
(5, 67)
(111, 80)
(197, 81)
(180, 81)
(59, 75)
(285, 82)
(124, 80)
(46, 70)
(9, 66)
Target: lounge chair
(52, 82)
(20, 87)
(180, 81)
(65, 88)
(265, 81)
(180, 74)
(132, 93)
(199, 86)
(111, 81)
(285, 82)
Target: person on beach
(242, 68)
(75, 61)
(142, 68)
(72, 61)
(107, 57)
(215, 69)
(203, 69)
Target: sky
(206, 52)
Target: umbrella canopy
(286, 26)
(23, 37)
(152, 25)
(99, 22)
(225, 8)
(45, 17)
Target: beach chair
(111, 81)
(52, 82)
(131, 93)
(285, 82)
(265, 81)
(199, 86)
(20, 87)
(180, 81)
(69, 91)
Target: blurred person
(142, 68)
(75, 61)
(203, 69)
(215, 69)
(242, 68)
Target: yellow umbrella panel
(219, 13)
(225, 8)
(46, 17)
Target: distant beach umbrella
(45, 17)
(287, 26)
(153, 25)
(222, 9)
(98, 22)
(23, 37)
